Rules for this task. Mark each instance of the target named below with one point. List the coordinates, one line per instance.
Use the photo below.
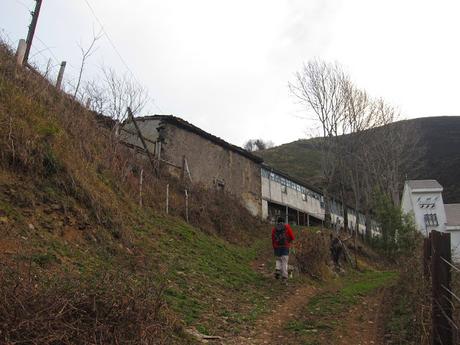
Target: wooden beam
(139, 133)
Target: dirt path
(361, 323)
(268, 329)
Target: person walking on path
(336, 250)
(337, 227)
(282, 238)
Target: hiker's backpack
(280, 234)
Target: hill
(440, 158)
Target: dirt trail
(268, 329)
(359, 326)
(361, 323)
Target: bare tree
(113, 94)
(320, 87)
(257, 144)
(85, 54)
(361, 149)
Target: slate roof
(452, 214)
(423, 184)
(177, 121)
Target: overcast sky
(225, 65)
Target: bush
(312, 253)
(108, 308)
(398, 233)
(407, 308)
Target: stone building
(268, 193)
(207, 159)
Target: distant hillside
(440, 137)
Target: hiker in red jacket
(282, 237)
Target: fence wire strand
(448, 318)
(450, 264)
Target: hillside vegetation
(84, 263)
(439, 147)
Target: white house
(423, 200)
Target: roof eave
(426, 190)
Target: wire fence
(444, 277)
(44, 58)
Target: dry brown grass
(312, 253)
(111, 308)
(407, 308)
(47, 135)
(56, 145)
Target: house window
(431, 219)
(427, 202)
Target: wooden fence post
(186, 205)
(139, 134)
(61, 75)
(426, 257)
(441, 315)
(20, 52)
(167, 198)
(141, 180)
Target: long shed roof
(177, 121)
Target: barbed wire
(50, 49)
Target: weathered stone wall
(148, 129)
(209, 163)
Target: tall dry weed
(312, 253)
(110, 308)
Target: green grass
(320, 317)
(211, 278)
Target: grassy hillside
(440, 141)
(82, 262)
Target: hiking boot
(277, 274)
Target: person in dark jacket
(282, 238)
(336, 250)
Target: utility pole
(32, 26)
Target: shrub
(399, 235)
(407, 309)
(107, 308)
(312, 253)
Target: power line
(50, 49)
(22, 4)
(112, 44)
